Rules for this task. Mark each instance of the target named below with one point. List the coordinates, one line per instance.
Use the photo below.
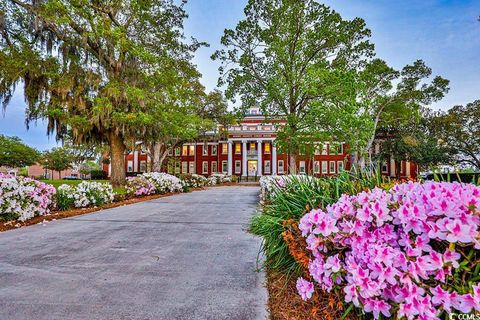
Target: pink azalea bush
(140, 186)
(411, 252)
(23, 198)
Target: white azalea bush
(164, 182)
(219, 178)
(23, 198)
(85, 194)
(139, 186)
(193, 180)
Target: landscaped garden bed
(25, 201)
(363, 248)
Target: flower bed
(163, 182)
(411, 252)
(84, 195)
(220, 178)
(139, 186)
(23, 198)
(193, 180)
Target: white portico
(251, 157)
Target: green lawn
(56, 183)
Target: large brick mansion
(249, 150)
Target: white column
(230, 157)
(244, 157)
(392, 167)
(274, 159)
(135, 161)
(259, 163)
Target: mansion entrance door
(252, 167)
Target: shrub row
(23, 198)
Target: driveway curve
(186, 256)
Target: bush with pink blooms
(139, 186)
(411, 252)
(23, 198)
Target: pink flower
(376, 307)
(304, 288)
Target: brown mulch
(284, 301)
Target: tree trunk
(59, 175)
(117, 160)
(158, 156)
(292, 163)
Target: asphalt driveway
(181, 257)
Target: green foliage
(99, 69)
(300, 195)
(63, 201)
(57, 159)
(98, 175)
(14, 153)
(293, 59)
(459, 129)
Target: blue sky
(446, 34)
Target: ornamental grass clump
(85, 194)
(23, 198)
(164, 182)
(139, 186)
(293, 196)
(411, 252)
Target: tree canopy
(16, 154)
(459, 129)
(287, 54)
(96, 68)
(57, 159)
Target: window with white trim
(177, 151)
(384, 166)
(191, 166)
(302, 167)
(184, 166)
(281, 167)
(205, 167)
(177, 167)
(324, 167)
(205, 150)
(192, 150)
(170, 152)
(214, 150)
(340, 166)
(130, 166)
(325, 148)
(267, 148)
(238, 167)
(332, 166)
(143, 166)
(184, 150)
(238, 148)
(224, 166)
(224, 148)
(214, 166)
(268, 168)
(316, 167)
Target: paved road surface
(180, 257)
